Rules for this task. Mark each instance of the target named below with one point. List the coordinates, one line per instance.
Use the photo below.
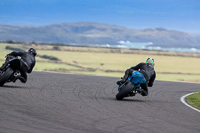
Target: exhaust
(17, 74)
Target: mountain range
(88, 33)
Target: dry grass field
(170, 66)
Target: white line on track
(184, 102)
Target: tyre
(5, 76)
(125, 91)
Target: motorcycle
(11, 71)
(131, 86)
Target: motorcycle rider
(147, 69)
(28, 62)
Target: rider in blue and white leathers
(147, 69)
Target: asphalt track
(64, 103)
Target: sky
(182, 15)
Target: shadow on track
(124, 100)
(10, 86)
(133, 100)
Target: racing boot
(120, 82)
(141, 91)
(22, 79)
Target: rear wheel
(125, 91)
(5, 76)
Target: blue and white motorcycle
(131, 86)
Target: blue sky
(183, 15)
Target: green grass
(194, 100)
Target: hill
(86, 33)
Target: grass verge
(194, 100)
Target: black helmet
(32, 51)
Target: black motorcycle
(131, 87)
(11, 71)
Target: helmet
(150, 61)
(32, 51)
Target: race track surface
(64, 103)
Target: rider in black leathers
(28, 62)
(147, 69)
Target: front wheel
(125, 91)
(5, 76)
